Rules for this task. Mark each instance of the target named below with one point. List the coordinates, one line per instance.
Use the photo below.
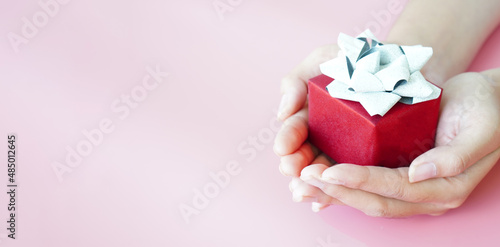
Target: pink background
(221, 96)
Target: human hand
(467, 142)
(290, 143)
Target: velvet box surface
(344, 131)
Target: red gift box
(345, 131)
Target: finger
(292, 135)
(303, 192)
(294, 183)
(358, 186)
(294, 85)
(390, 183)
(466, 148)
(473, 134)
(379, 206)
(370, 203)
(315, 170)
(323, 159)
(316, 206)
(312, 173)
(292, 164)
(293, 98)
(493, 74)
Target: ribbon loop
(379, 75)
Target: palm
(467, 142)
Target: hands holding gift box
(467, 141)
(386, 81)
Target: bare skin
(468, 134)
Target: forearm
(454, 29)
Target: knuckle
(455, 203)
(398, 191)
(362, 180)
(458, 162)
(419, 197)
(307, 153)
(363, 176)
(397, 188)
(333, 191)
(459, 194)
(296, 121)
(378, 209)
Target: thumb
(451, 159)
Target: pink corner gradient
(166, 110)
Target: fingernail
(315, 182)
(301, 198)
(283, 103)
(293, 184)
(276, 148)
(282, 171)
(316, 206)
(422, 172)
(334, 181)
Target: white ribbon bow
(379, 75)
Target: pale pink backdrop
(215, 109)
